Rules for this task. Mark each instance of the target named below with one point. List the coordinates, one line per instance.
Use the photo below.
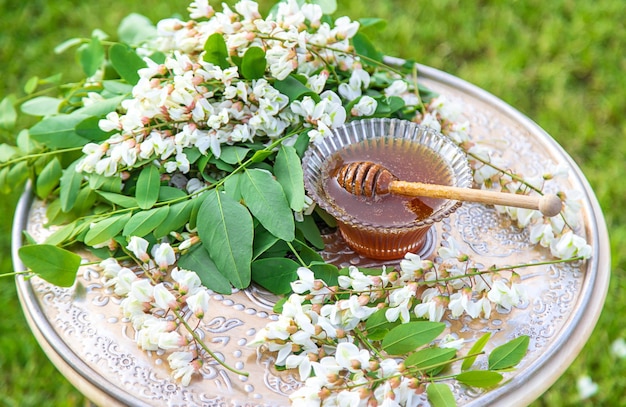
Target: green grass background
(560, 62)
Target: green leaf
(58, 131)
(509, 354)
(480, 378)
(288, 171)
(91, 56)
(294, 89)
(17, 174)
(197, 259)
(263, 240)
(364, 47)
(41, 106)
(49, 178)
(226, 230)
(144, 222)
(430, 360)
(61, 235)
(70, 185)
(126, 62)
(7, 152)
(311, 232)
(148, 185)
(329, 273)
(31, 85)
(387, 106)
(5, 187)
(53, 264)
(265, 198)
(116, 87)
(101, 107)
(119, 199)
(310, 256)
(216, 51)
(476, 348)
(275, 274)
(440, 395)
(234, 154)
(8, 114)
(260, 156)
(371, 24)
(253, 63)
(135, 29)
(178, 217)
(407, 337)
(90, 130)
(106, 229)
(107, 184)
(378, 326)
(167, 193)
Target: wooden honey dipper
(365, 178)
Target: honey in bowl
(384, 227)
(407, 160)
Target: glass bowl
(385, 227)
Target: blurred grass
(561, 63)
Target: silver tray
(84, 335)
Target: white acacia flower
(171, 340)
(163, 255)
(300, 361)
(163, 298)
(180, 163)
(139, 247)
(181, 363)
(431, 307)
(198, 303)
(359, 80)
(350, 357)
(366, 106)
(187, 281)
(452, 250)
(459, 132)
(110, 267)
(451, 342)
(505, 295)
(399, 303)
(541, 233)
(345, 28)
(123, 281)
(430, 120)
(111, 122)
(106, 166)
(150, 331)
(570, 245)
(356, 279)
(308, 395)
(305, 282)
(142, 289)
(445, 108)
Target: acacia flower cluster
(186, 102)
(155, 305)
(322, 330)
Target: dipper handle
(548, 205)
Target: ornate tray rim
(559, 355)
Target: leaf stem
(38, 155)
(198, 340)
